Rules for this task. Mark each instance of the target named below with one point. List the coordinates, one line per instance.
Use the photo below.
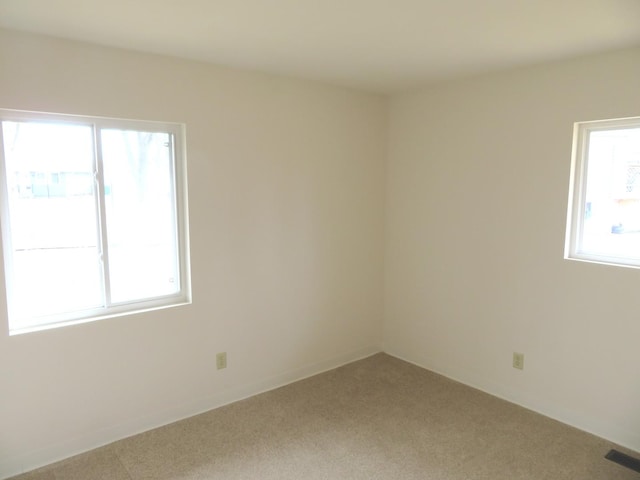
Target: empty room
(295, 239)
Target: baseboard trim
(528, 400)
(84, 443)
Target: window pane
(53, 225)
(141, 214)
(611, 223)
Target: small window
(604, 201)
(93, 216)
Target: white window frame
(182, 297)
(577, 193)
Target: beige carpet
(379, 418)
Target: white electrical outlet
(221, 360)
(518, 360)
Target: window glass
(54, 236)
(139, 199)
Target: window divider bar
(102, 217)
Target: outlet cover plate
(221, 360)
(518, 360)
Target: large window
(604, 202)
(93, 216)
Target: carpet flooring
(378, 418)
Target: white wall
(286, 183)
(478, 176)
